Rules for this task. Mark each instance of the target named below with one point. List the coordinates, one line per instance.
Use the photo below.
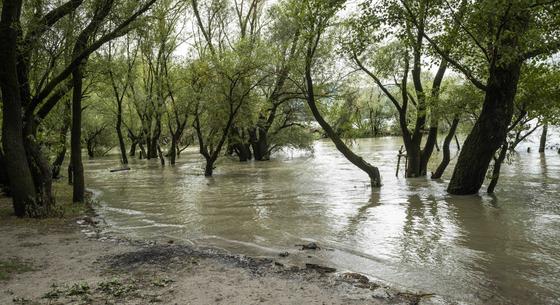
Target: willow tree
(315, 18)
(496, 39)
(31, 92)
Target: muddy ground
(68, 261)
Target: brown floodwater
(502, 249)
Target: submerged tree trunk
(122, 145)
(160, 155)
(259, 142)
(173, 150)
(489, 131)
(446, 151)
(497, 168)
(17, 166)
(209, 167)
(542, 145)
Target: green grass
(65, 210)
(13, 266)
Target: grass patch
(13, 266)
(65, 210)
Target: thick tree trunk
(542, 145)
(259, 143)
(489, 131)
(209, 168)
(78, 182)
(4, 181)
(414, 155)
(42, 177)
(446, 151)
(21, 181)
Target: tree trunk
(160, 155)
(122, 145)
(489, 131)
(4, 181)
(61, 154)
(173, 150)
(21, 181)
(209, 168)
(78, 184)
(372, 171)
(259, 143)
(542, 145)
(457, 143)
(497, 167)
(446, 151)
(133, 145)
(90, 147)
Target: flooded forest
(324, 151)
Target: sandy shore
(66, 261)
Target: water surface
(502, 249)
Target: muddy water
(475, 249)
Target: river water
(502, 249)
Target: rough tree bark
(489, 131)
(78, 193)
(21, 181)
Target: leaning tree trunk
(544, 133)
(22, 186)
(78, 182)
(497, 168)
(489, 131)
(446, 151)
(372, 171)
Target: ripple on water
(501, 249)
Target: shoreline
(69, 261)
